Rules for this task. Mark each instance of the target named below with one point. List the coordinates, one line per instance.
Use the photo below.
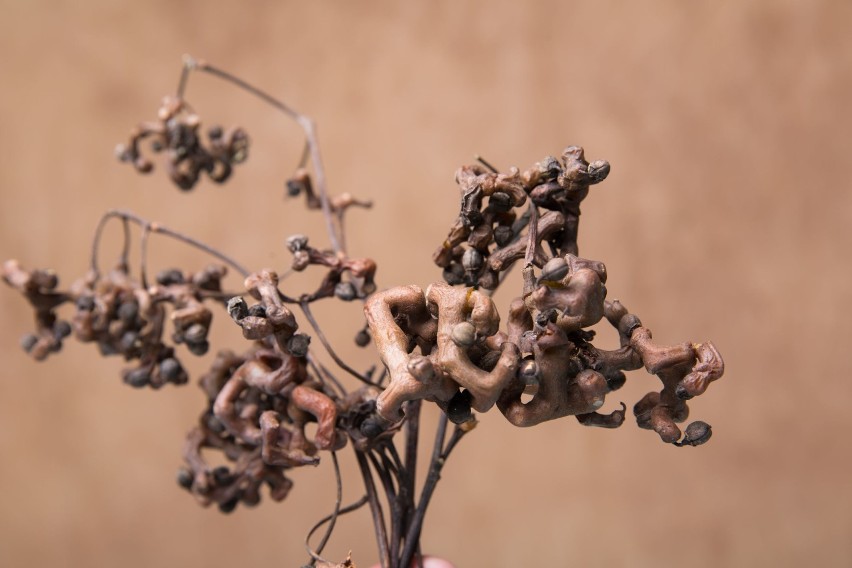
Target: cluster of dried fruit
(465, 362)
(175, 132)
(443, 344)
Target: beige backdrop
(726, 216)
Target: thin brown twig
(307, 125)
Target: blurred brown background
(727, 216)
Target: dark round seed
(28, 342)
(61, 329)
(371, 428)
(615, 380)
(257, 311)
(199, 348)
(503, 235)
(170, 276)
(454, 274)
(294, 187)
(458, 409)
(137, 378)
(196, 333)
(298, 344)
(682, 393)
(229, 506)
(500, 201)
(128, 339)
(697, 433)
(222, 475)
(215, 424)
(237, 308)
(362, 338)
(128, 311)
(170, 369)
(85, 303)
(185, 478)
(215, 132)
(345, 291)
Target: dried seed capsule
(195, 333)
(294, 187)
(170, 369)
(296, 242)
(545, 317)
(237, 308)
(598, 171)
(345, 291)
(214, 424)
(682, 393)
(128, 340)
(458, 409)
(362, 338)
(472, 260)
(199, 348)
(627, 324)
(464, 334)
(554, 270)
(615, 380)
(257, 311)
(128, 311)
(298, 344)
(222, 475)
(106, 348)
(169, 276)
(215, 132)
(137, 378)
(503, 235)
(371, 427)
(454, 274)
(28, 342)
(61, 329)
(697, 433)
(185, 478)
(500, 201)
(85, 303)
(229, 506)
(549, 168)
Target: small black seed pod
(199, 348)
(61, 329)
(237, 308)
(85, 303)
(503, 235)
(169, 276)
(229, 505)
(137, 378)
(28, 342)
(214, 424)
(196, 333)
(170, 369)
(298, 344)
(128, 311)
(371, 428)
(215, 132)
(257, 311)
(500, 201)
(454, 274)
(296, 242)
(458, 409)
(362, 338)
(545, 317)
(345, 291)
(184, 478)
(128, 339)
(697, 433)
(294, 187)
(222, 475)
